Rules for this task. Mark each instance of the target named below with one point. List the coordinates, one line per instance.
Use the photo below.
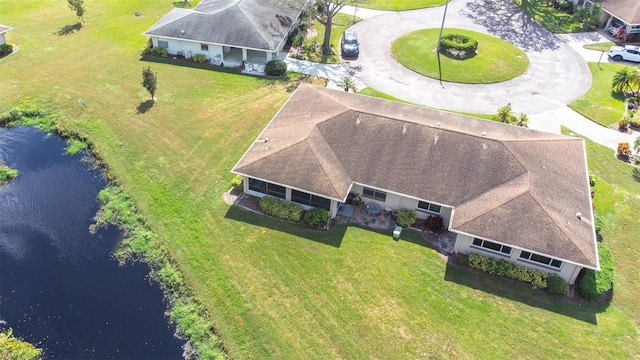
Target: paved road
(558, 72)
(557, 75)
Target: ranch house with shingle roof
(506, 191)
(227, 31)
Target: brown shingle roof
(627, 10)
(506, 183)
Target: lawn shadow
(331, 237)
(69, 29)
(505, 20)
(517, 291)
(145, 106)
(618, 95)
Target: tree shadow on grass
(505, 20)
(69, 29)
(332, 237)
(145, 106)
(618, 95)
(516, 291)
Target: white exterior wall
(397, 202)
(568, 271)
(3, 40)
(176, 46)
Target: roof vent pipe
(579, 216)
(404, 129)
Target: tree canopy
(78, 7)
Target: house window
(310, 199)
(544, 260)
(267, 188)
(423, 205)
(374, 194)
(204, 47)
(485, 244)
(163, 44)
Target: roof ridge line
(249, 21)
(324, 169)
(559, 225)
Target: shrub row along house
(506, 191)
(227, 31)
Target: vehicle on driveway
(349, 44)
(627, 52)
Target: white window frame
(163, 42)
(375, 192)
(428, 209)
(204, 47)
(499, 252)
(537, 263)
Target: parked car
(349, 44)
(627, 52)
(614, 27)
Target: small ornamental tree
(624, 150)
(149, 81)
(406, 217)
(78, 7)
(347, 84)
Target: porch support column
(576, 271)
(269, 56)
(244, 54)
(333, 208)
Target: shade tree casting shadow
(506, 21)
(69, 29)
(145, 106)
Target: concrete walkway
(558, 73)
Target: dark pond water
(59, 286)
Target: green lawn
(496, 61)
(556, 21)
(399, 5)
(274, 290)
(602, 46)
(601, 104)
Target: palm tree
(348, 84)
(636, 145)
(625, 78)
(504, 115)
(523, 120)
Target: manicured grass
(496, 61)
(274, 290)
(312, 48)
(369, 91)
(399, 5)
(602, 46)
(601, 104)
(618, 205)
(556, 21)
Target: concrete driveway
(556, 76)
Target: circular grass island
(496, 60)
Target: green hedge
(537, 278)
(276, 68)
(406, 217)
(6, 49)
(316, 217)
(199, 58)
(281, 209)
(458, 45)
(594, 284)
(557, 285)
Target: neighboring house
(619, 13)
(3, 30)
(227, 31)
(506, 191)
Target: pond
(59, 286)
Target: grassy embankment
(601, 104)
(274, 290)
